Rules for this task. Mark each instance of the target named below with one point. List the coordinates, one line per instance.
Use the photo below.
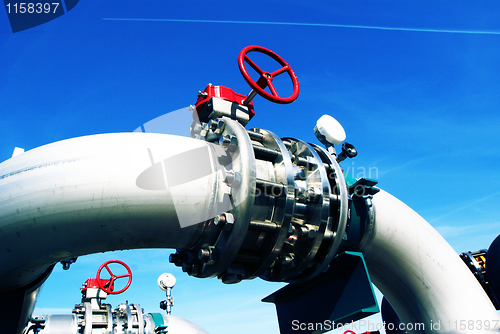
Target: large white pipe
(100, 193)
(421, 275)
(131, 190)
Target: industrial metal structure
(236, 203)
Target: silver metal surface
(337, 224)
(125, 319)
(60, 324)
(281, 213)
(277, 210)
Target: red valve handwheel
(266, 78)
(107, 285)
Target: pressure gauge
(166, 281)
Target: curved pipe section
(421, 275)
(99, 193)
(236, 204)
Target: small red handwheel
(266, 78)
(108, 285)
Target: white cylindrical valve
(329, 131)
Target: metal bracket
(161, 329)
(38, 325)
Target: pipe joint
(282, 224)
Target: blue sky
(414, 83)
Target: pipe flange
(238, 146)
(284, 193)
(339, 208)
(313, 194)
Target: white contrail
(466, 206)
(449, 31)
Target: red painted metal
(107, 285)
(224, 93)
(266, 78)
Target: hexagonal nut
(224, 141)
(191, 268)
(220, 127)
(208, 255)
(237, 180)
(233, 145)
(229, 221)
(232, 178)
(219, 220)
(313, 194)
(204, 130)
(288, 260)
(229, 143)
(187, 267)
(304, 231)
(204, 254)
(310, 231)
(195, 128)
(212, 124)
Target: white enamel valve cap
(329, 129)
